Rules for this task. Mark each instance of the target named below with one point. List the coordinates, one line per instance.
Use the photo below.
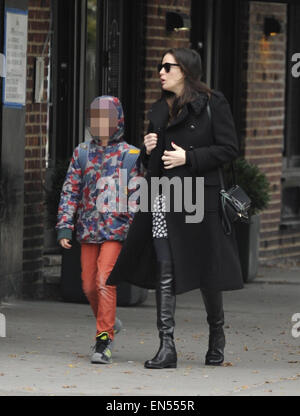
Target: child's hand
(65, 243)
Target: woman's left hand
(174, 158)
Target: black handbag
(235, 202)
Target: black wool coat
(203, 256)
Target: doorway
(216, 35)
(97, 48)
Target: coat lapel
(197, 106)
(180, 118)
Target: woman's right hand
(65, 243)
(150, 142)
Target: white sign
(2, 66)
(39, 80)
(15, 50)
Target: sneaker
(118, 326)
(102, 349)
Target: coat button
(192, 127)
(191, 147)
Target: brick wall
(158, 40)
(264, 63)
(35, 140)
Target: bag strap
(83, 153)
(211, 126)
(225, 220)
(231, 163)
(130, 159)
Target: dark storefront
(97, 48)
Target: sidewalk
(46, 351)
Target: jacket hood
(115, 108)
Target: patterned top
(159, 224)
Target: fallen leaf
(69, 387)
(227, 364)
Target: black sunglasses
(166, 66)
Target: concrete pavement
(47, 347)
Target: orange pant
(97, 261)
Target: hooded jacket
(80, 192)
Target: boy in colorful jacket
(100, 231)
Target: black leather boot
(213, 302)
(166, 356)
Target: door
(114, 58)
(97, 48)
(216, 35)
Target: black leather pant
(166, 304)
(213, 300)
(165, 289)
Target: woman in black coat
(173, 251)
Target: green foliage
(253, 182)
(92, 23)
(53, 194)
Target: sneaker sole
(97, 359)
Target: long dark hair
(191, 65)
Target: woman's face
(174, 79)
